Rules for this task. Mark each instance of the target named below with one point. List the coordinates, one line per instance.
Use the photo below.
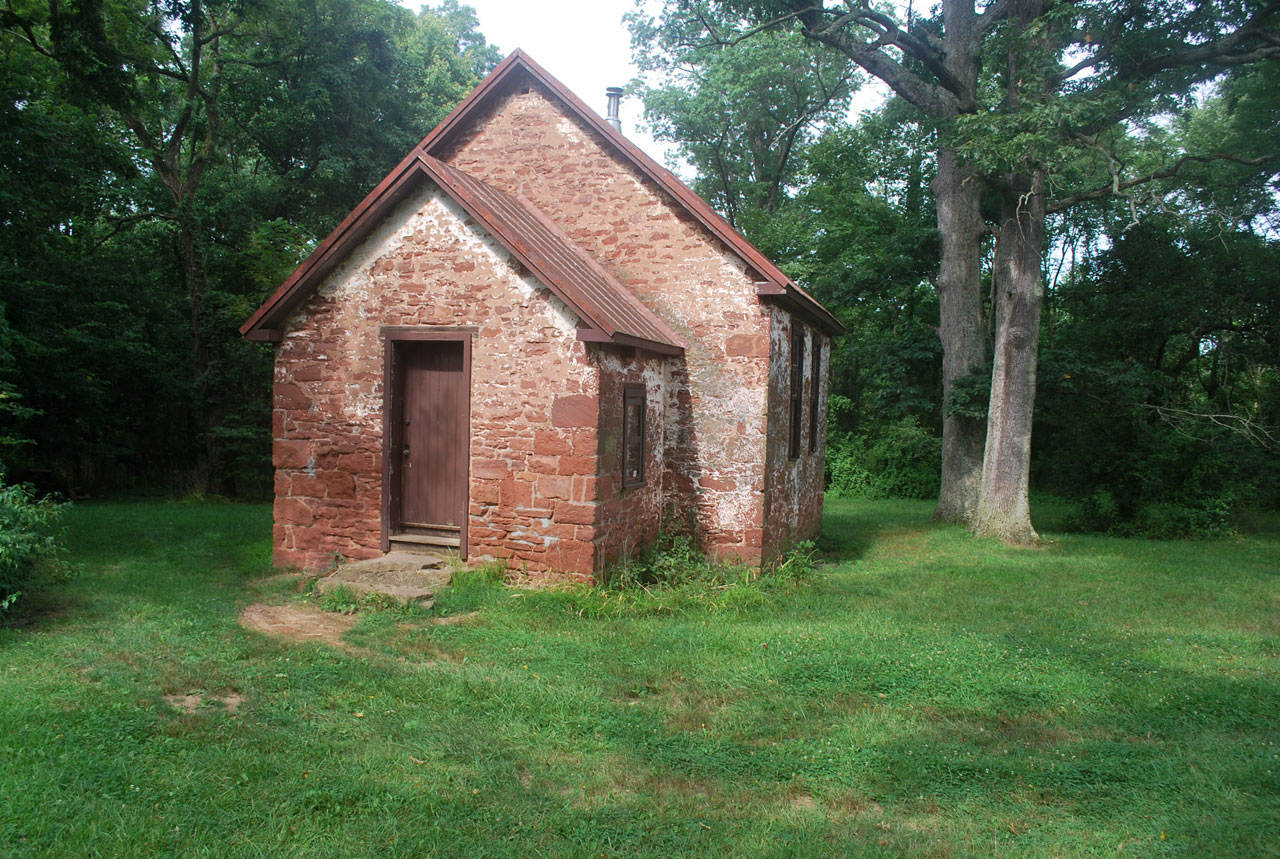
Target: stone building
(531, 342)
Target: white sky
(581, 42)
(586, 46)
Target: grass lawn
(922, 694)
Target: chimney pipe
(614, 94)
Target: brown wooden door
(433, 438)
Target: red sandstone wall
(630, 517)
(793, 493)
(716, 405)
(533, 402)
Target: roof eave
(345, 237)
(595, 335)
(809, 311)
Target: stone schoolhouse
(530, 342)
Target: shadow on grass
(850, 528)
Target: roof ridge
(264, 323)
(778, 283)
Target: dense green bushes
(899, 462)
(1158, 387)
(29, 542)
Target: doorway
(427, 440)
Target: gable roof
(576, 277)
(607, 310)
(774, 282)
(610, 311)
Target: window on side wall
(797, 387)
(815, 361)
(634, 410)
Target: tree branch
(991, 16)
(1254, 432)
(947, 94)
(1116, 187)
(1229, 50)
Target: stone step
(406, 576)
(415, 540)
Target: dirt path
(298, 623)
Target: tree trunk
(1003, 510)
(193, 266)
(958, 195)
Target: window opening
(634, 409)
(797, 387)
(815, 362)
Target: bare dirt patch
(190, 703)
(185, 703)
(451, 619)
(298, 623)
(803, 802)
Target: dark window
(633, 446)
(797, 387)
(815, 361)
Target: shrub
(1152, 482)
(30, 542)
(902, 461)
(1096, 512)
(798, 564)
(674, 559)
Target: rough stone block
(568, 513)
(489, 469)
(574, 410)
(551, 443)
(287, 395)
(555, 486)
(293, 511)
(516, 493)
(291, 454)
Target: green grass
(922, 694)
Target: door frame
(393, 337)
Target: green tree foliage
(863, 238)
(739, 112)
(167, 164)
(1161, 395)
(1040, 107)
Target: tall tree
(1018, 89)
(740, 113)
(208, 143)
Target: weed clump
(675, 575)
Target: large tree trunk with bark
(958, 195)
(1003, 510)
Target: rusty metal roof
(596, 296)
(774, 284)
(607, 310)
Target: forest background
(167, 163)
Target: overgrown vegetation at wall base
(675, 576)
(920, 694)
